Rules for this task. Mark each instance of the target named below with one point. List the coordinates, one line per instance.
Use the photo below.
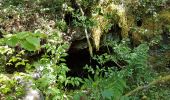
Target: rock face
(33, 95)
(110, 14)
(150, 27)
(116, 12)
(103, 26)
(146, 29)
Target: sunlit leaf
(12, 41)
(22, 35)
(34, 41)
(28, 46)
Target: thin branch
(157, 81)
(118, 64)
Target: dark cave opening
(76, 61)
(139, 22)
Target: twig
(118, 64)
(159, 80)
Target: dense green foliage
(36, 36)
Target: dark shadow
(139, 23)
(76, 61)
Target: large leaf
(12, 41)
(22, 35)
(34, 41)
(41, 35)
(28, 46)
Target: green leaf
(28, 46)
(107, 93)
(41, 35)
(77, 96)
(34, 41)
(12, 41)
(22, 35)
(43, 82)
(5, 89)
(20, 63)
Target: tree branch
(157, 81)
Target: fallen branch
(157, 81)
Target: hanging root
(86, 33)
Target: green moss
(165, 16)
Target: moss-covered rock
(117, 15)
(165, 16)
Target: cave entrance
(76, 60)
